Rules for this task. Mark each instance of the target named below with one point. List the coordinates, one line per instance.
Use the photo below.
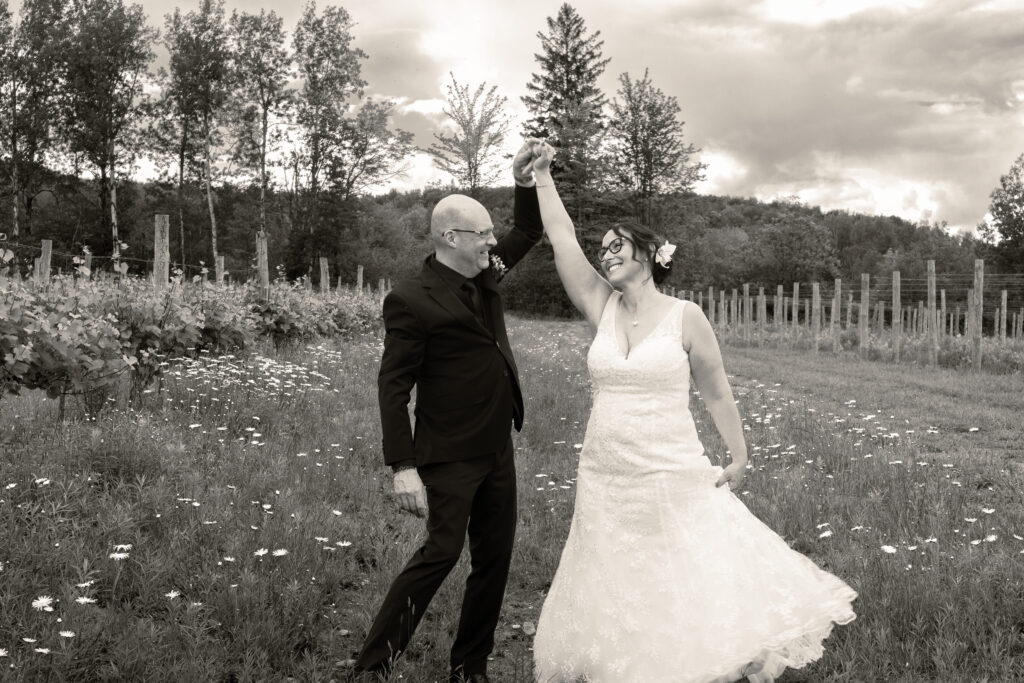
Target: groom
(445, 334)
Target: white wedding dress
(664, 577)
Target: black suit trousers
(478, 497)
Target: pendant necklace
(636, 313)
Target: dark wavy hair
(646, 243)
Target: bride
(665, 576)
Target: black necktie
(474, 298)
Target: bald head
(463, 234)
(458, 212)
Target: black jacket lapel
(447, 299)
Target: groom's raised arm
(404, 344)
(527, 227)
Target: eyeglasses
(482, 234)
(614, 247)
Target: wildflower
(228, 558)
(43, 602)
(118, 556)
(123, 547)
(43, 650)
(990, 538)
(84, 600)
(280, 552)
(3, 652)
(343, 544)
(336, 513)
(888, 549)
(29, 640)
(86, 584)
(988, 511)
(67, 634)
(261, 552)
(825, 534)
(172, 594)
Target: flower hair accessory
(664, 254)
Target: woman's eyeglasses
(614, 247)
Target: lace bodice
(641, 397)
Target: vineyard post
(35, 270)
(979, 309)
(748, 317)
(325, 275)
(711, 305)
(897, 316)
(161, 251)
(88, 265)
(1020, 323)
(862, 314)
(942, 313)
(700, 300)
(263, 265)
(815, 313)
(778, 313)
(849, 309)
(931, 329)
(796, 305)
(44, 262)
(721, 308)
(359, 279)
(1002, 317)
(734, 309)
(762, 309)
(807, 312)
(955, 332)
(381, 290)
(920, 319)
(218, 269)
(834, 320)
(969, 315)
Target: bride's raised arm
(587, 290)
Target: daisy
(43, 602)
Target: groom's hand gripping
(522, 164)
(411, 494)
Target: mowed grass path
(237, 526)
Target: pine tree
(567, 107)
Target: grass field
(235, 526)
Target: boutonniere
(498, 266)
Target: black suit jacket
(467, 385)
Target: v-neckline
(634, 347)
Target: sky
(912, 108)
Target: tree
(107, 50)
(29, 91)
(366, 151)
(262, 79)
(1005, 233)
(470, 152)
(330, 69)
(648, 153)
(566, 106)
(201, 77)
